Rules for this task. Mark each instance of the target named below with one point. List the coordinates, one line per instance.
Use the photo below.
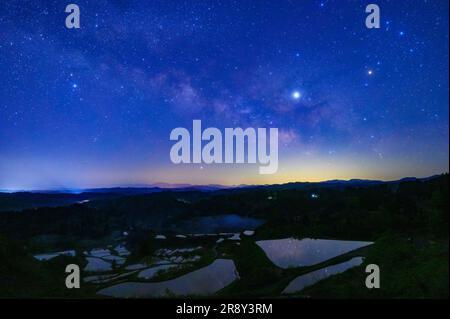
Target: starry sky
(94, 107)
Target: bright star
(370, 72)
(296, 95)
(74, 85)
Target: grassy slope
(21, 276)
(408, 269)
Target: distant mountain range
(159, 187)
(338, 183)
(127, 190)
(16, 201)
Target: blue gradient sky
(95, 106)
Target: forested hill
(411, 206)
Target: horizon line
(189, 185)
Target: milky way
(95, 106)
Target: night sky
(95, 106)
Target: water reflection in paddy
(311, 278)
(97, 265)
(49, 256)
(203, 281)
(290, 252)
(153, 271)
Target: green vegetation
(21, 276)
(412, 268)
(408, 221)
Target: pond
(204, 281)
(290, 252)
(311, 278)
